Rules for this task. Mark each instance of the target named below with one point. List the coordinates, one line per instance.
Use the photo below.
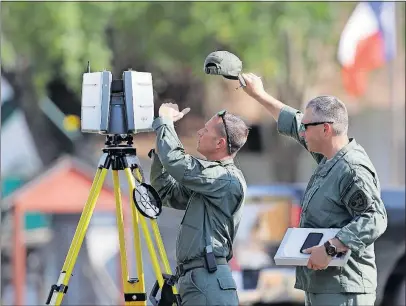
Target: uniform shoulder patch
(358, 201)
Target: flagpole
(395, 122)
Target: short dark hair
(237, 131)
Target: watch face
(331, 250)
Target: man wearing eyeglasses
(211, 191)
(343, 192)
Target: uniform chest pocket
(321, 209)
(308, 197)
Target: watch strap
(331, 249)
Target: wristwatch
(331, 249)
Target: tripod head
(118, 140)
(119, 154)
(116, 107)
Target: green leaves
(49, 35)
(169, 35)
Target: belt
(181, 269)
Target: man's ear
(218, 143)
(221, 142)
(328, 128)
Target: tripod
(120, 157)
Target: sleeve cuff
(159, 121)
(350, 240)
(286, 117)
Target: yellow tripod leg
(58, 291)
(154, 259)
(158, 238)
(137, 242)
(162, 251)
(134, 290)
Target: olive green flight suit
(212, 195)
(343, 192)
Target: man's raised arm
(256, 90)
(172, 193)
(288, 118)
(189, 172)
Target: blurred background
(355, 51)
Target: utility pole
(396, 115)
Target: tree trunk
(180, 85)
(70, 104)
(41, 128)
(285, 152)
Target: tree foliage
(169, 35)
(51, 36)
(279, 40)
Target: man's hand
(254, 87)
(171, 111)
(319, 260)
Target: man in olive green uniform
(343, 192)
(211, 192)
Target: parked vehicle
(269, 211)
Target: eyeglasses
(221, 114)
(304, 126)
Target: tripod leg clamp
(168, 298)
(55, 288)
(132, 297)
